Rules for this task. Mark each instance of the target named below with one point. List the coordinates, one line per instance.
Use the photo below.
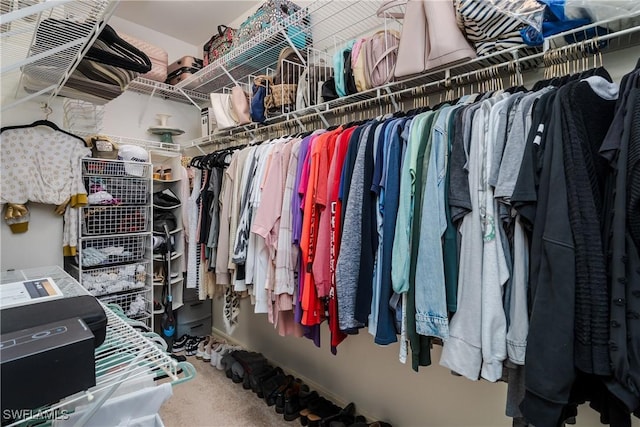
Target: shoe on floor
(201, 346)
(216, 351)
(180, 344)
(191, 348)
(206, 355)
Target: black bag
(162, 218)
(85, 307)
(329, 90)
(349, 80)
(165, 199)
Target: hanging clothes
(475, 224)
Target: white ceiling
(193, 22)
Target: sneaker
(191, 348)
(214, 355)
(208, 349)
(180, 344)
(201, 346)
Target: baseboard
(312, 384)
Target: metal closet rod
(447, 83)
(374, 102)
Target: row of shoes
(289, 395)
(206, 348)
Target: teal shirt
(402, 239)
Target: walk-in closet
(320, 212)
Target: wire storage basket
(113, 249)
(115, 220)
(108, 280)
(105, 190)
(136, 305)
(122, 168)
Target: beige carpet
(213, 400)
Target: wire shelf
(107, 280)
(321, 24)
(49, 57)
(135, 305)
(612, 35)
(165, 91)
(99, 251)
(117, 190)
(120, 168)
(98, 220)
(148, 145)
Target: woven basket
(279, 95)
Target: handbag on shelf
(421, 46)
(271, 13)
(282, 95)
(222, 110)
(259, 55)
(487, 27)
(219, 44)
(380, 56)
(339, 67)
(359, 73)
(240, 106)
(349, 81)
(309, 90)
(261, 85)
(328, 90)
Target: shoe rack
(166, 174)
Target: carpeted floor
(213, 400)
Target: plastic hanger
(45, 122)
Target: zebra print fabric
(486, 27)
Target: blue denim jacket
(431, 302)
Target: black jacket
(623, 256)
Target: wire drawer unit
(108, 190)
(135, 305)
(119, 278)
(98, 220)
(114, 261)
(105, 168)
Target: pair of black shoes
(288, 394)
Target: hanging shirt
(390, 191)
(431, 305)
(223, 276)
(315, 204)
(381, 145)
(348, 266)
(420, 345)
(287, 253)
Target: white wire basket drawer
(122, 168)
(136, 305)
(113, 250)
(105, 190)
(109, 280)
(115, 220)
